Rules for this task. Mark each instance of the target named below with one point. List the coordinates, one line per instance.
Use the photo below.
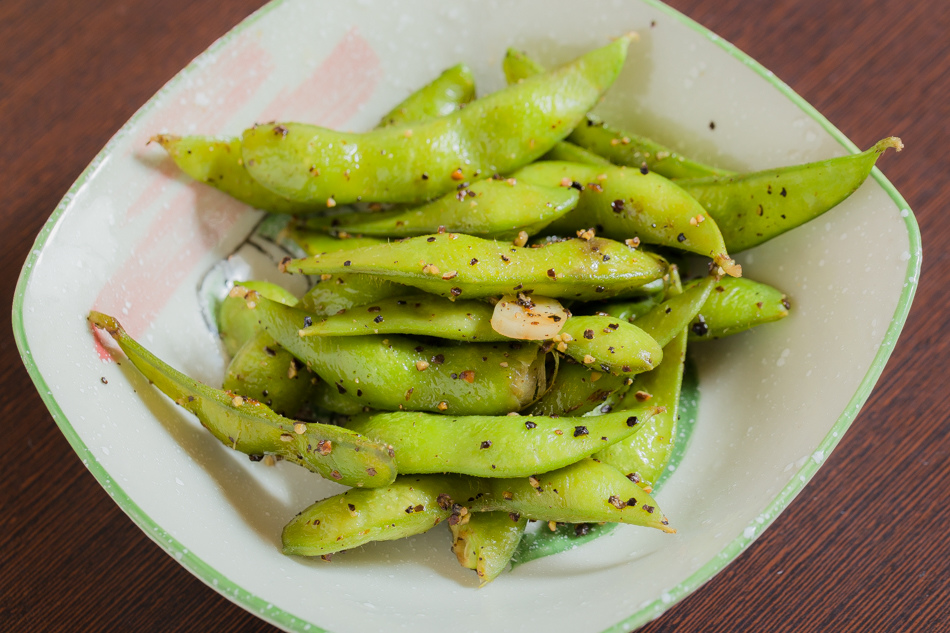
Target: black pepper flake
(588, 334)
(454, 375)
(270, 351)
(606, 257)
(514, 516)
(425, 176)
(680, 238)
(307, 321)
(473, 262)
(255, 458)
(580, 430)
(712, 125)
(445, 501)
(456, 291)
(606, 408)
(430, 239)
(785, 303)
(505, 258)
(551, 273)
(351, 507)
(104, 381)
(346, 263)
(577, 185)
(634, 477)
(378, 319)
(783, 193)
(438, 359)
(486, 444)
(359, 393)
(700, 328)
(649, 509)
(632, 420)
(644, 169)
(581, 529)
(599, 289)
(613, 326)
(617, 205)
(340, 388)
(514, 346)
(530, 425)
(377, 308)
(617, 502)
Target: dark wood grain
(71, 73)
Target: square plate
(133, 237)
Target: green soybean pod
(217, 162)
(445, 94)
(419, 314)
(588, 491)
(394, 372)
(486, 541)
(250, 427)
(734, 306)
(615, 146)
(625, 203)
(753, 208)
(571, 153)
(407, 506)
(644, 458)
(494, 209)
(453, 265)
(665, 321)
(415, 162)
(494, 446)
(576, 390)
(236, 324)
(609, 344)
(264, 371)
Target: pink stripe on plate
(337, 87)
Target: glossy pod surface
(393, 372)
(454, 265)
(753, 208)
(486, 541)
(735, 305)
(444, 95)
(494, 446)
(499, 209)
(417, 162)
(250, 427)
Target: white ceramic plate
(133, 238)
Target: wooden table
(71, 73)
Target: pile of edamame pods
(493, 336)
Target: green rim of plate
(647, 612)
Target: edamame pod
(218, 162)
(494, 209)
(610, 345)
(264, 371)
(409, 505)
(252, 428)
(486, 542)
(494, 446)
(665, 321)
(735, 305)
(394, 372)
(644, 458)
(619, 147)
(444, 95)
(571, 153)
(236, 324)
(576, 390)
(416, 162)
(626, 203)
(753, 208)
(585, 492)
(453, 265)
(423, 315)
